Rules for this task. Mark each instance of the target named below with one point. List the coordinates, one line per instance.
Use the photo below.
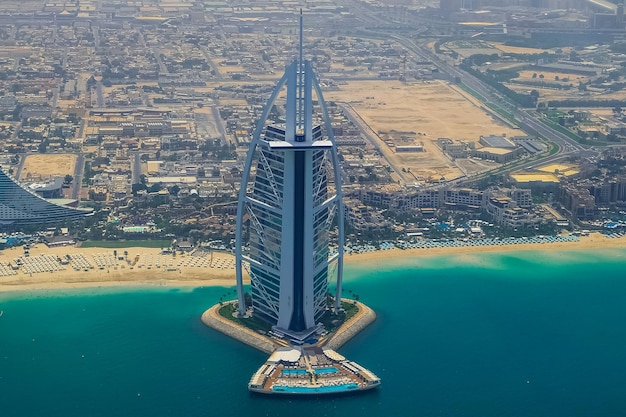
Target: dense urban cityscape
(142, 111)
(438, 184)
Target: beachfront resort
(310, 370)
(292, 201)
(43, 266)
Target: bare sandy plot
(601, 112)
(469, 47)
(518, 49)
(423, 110)
(552, 76)
(472, 47)
(547, 94)
(209, 125)
(46, 166)
(226, 69)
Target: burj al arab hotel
(290, 228)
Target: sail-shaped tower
(291, 201)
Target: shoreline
(211, 318)
(217, 268)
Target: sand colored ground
(228, 101)
(547, 94)
(603, 112)
(424, 110)
(214, 276)
(471, 47)
(44, 166)
(467, 48)
(198, 269)
(564, 78)
(211, 126)
(518, 49)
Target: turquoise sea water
(491, 335)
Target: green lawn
(503, 113)
(256, 325)
(472, 92)
(252, 323)
(117, 244)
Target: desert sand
(45, 166)
(216, 268)
(424, 112)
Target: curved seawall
(212, 318)
(347, 331)
(352, 327)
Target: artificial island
(290, 209)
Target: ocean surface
(489, 335)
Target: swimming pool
(311, 390)
(331, 370)
(293, 372)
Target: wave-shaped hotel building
(290, 198)
(20, 206)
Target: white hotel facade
(293, 214)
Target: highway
(528, 120)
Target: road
(99, 95)
(135, 164)
(162, 67)
(528, 120)
(20, 165)
(218, 122)
(371, 135)
(218, 75)
(77, 182)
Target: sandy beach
(98, 267)
(148, 267)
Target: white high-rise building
(294, 215)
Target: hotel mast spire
(300, 77)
